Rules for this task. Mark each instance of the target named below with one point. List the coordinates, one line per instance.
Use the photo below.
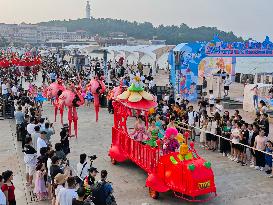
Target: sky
(246, 18)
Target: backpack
(100, 195)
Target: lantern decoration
(207, 165)
(191, 167)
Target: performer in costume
(139, 133)
(170, 144)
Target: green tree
(172, 34)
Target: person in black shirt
(90, 180)
(80, 200)
(244, 140)
(258, 118)
(65, 139)
(264, 123)
(23, 130)
(55, 168)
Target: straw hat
(60, 178)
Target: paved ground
(235, 184)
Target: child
(40, 188)
(89, 98)
(235, 136)
(211, 101)
(268, 158)
(225, 144)
(244, 140)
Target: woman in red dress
(8, 187)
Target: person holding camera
(82, 168)
(65, 139)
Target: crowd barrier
(219, 136)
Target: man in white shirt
(35, 136)
(66, 195)
(41, 142)
(5, 90)
(31, 126)
(219, 108)
(191, 116)
(14, 90)
(227, 83)
(165, 108)
(82, 167)
(211, 100)
(151, 84)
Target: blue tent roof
(179, 47)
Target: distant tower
(88, 11)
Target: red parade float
(185, 172)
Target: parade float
(184, 172)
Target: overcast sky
(247, 18)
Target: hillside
(173, 34)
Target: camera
(93, 157)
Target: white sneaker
(252, 166)
(224, 154)
(261, 169)
(257, 168)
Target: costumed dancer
(97, 87)
(170, 144)
(53, 92)
(72, 98)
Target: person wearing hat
(89, 180)
(65, 138)
(60, 180)
(66, 195)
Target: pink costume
(54, 90)
(72, 100)
(31, 90)
(40, 188)
(97, 87)
(140, 133)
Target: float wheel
(154, 194)
(113, 161)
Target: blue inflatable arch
(185, 58)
